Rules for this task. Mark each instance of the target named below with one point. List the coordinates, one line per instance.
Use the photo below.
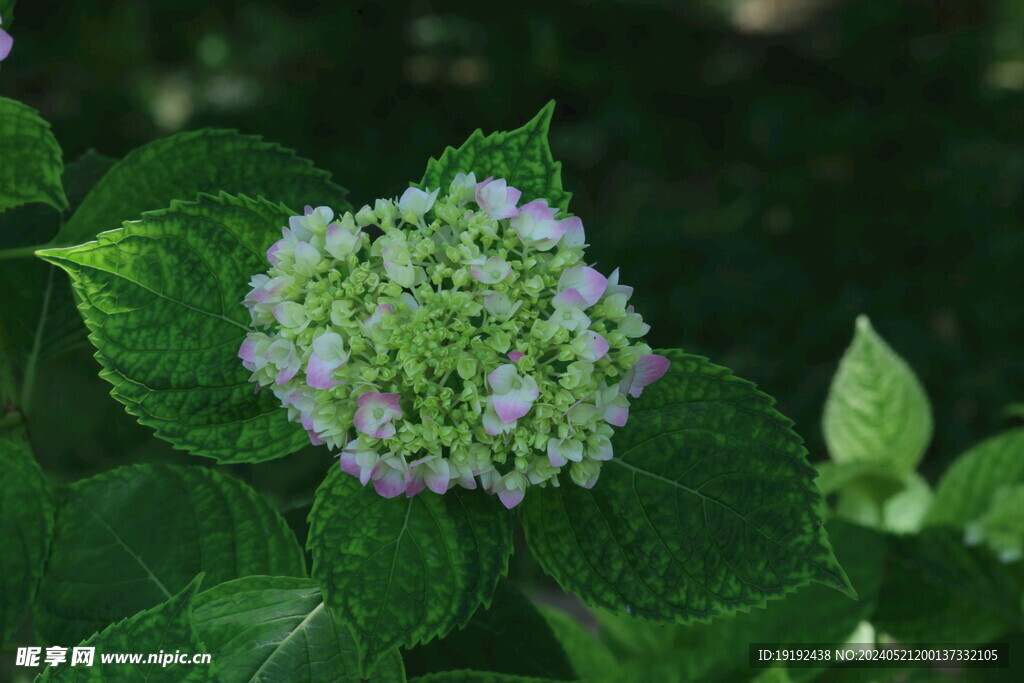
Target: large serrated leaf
(206, 161)
(162, 297)
(707, 508)
(405, 571)
(469, 676)
(966, 490)
(275, 628)
(30, 159)
(876, 410)
(165, 628)
(509, 637)
(26, 525)
(522, 157)
(129, 538)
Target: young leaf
(965, 491)
(938, 590)
(509, 637)
(275, 628)
(162, 297)
(30, 159)
(207, 161)
(590, 658)
(876, 410)
(129, 538)
(402, 571)
(26, 523)
(708, 506)
(522, 157)
(876, 495)
(165, 628)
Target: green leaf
(509, 637)
(476, 677)
(162, 297)
(30, 159)
(936, 589)
(876, 410)
(404, 571)
(7, 13)
(718, 650)
(265, 628)
(26, 525)
(590, 658)
(876, 495)
(166, 628)
(966, 489)
(130, 538)
(185, 165)
(708, 507)
(522, 157)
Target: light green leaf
(966, 489)
(130, 538)
(275, 628)
(207, 161)
(165, 628)
(876, 495)
(162, 297)
(509, 637)
(403, 571)
(26, 525)
(30, 159)
(876, 410)
(589, 656)
(708, 507)
(938, 590)
(522, 157)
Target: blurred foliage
(763, 170)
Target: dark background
(762, 170)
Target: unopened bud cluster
(468, 343)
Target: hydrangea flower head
(449, 340)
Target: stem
(20, 252)
(33, 359)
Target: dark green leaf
(708, 507)
(522, 157)
(130, 538)
(207, 161)
(509, 637)
(165, 628)
(876, 410)
(26, 525)
(30, 159)
(7, 13)
(162, 297)
(813, 614)
(936, 589)
(405, 571)
(476, 677)
(265, 628)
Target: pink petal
(538, 210)
(585, 280)
(616, 415)
(319, 373)
(274, 248)
(569, 298)
(573, 236)
(510, 407)
(248, 351)
(389, 485)
(285, 375)
(514, 356)
(648, 369)
(315, 439)
(511, 498)
(596, 346)
(348, 463)
(501, 379)
(414, 486)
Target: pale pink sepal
(390, 476)
(585, 280)
(648, 369)
(514, 356)
(510, 499)
(376, 410)
(497, 198)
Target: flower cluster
(467, 344)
